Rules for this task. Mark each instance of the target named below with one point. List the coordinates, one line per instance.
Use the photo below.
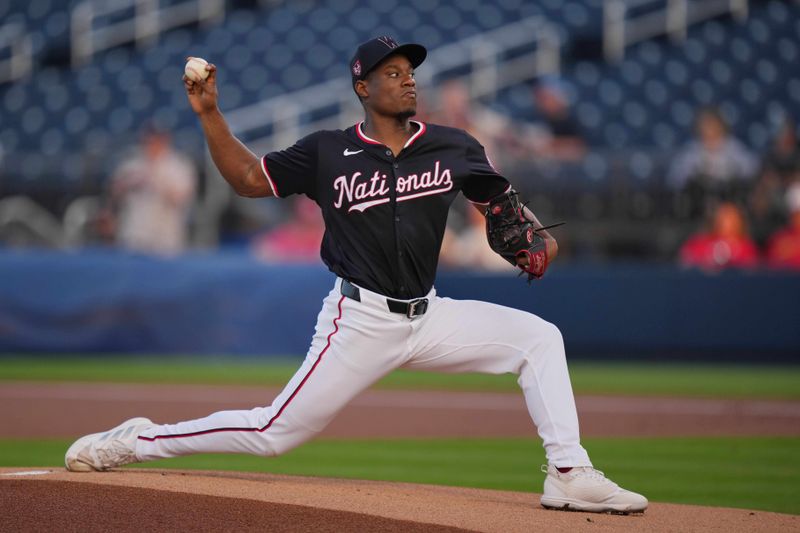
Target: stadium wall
(229, 304)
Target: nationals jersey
(385, 216)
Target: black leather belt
(411, 309)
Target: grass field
(755, 473)
(587, 378)
(752, 473)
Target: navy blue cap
(371, 53)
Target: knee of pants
(554, 335)
(268, 446)
(547, 342)
(275, 448)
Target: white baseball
(195, 69)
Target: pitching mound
(152, 500)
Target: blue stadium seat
(33, 119)
(325, 19)
(56, 99)
(610, 92)
(140, 99)
(642, 166)
(632, 72)
(296, 76)
(447, 18)
(682, 114)
(15, 99)
(588, 115)
(232, 92)
(362, 19)
(702, 92)
(650, 98)
(319, 57)
(664, 135)
(282, 20)
(635, 115)
(301, 38)
(656, 92)
(217, 41)
(9, 138)
(237, 58)
(166, 117)
(240, 22)
(51, 142)
(255, 78)
(76, 120)
(72, 167)
(120, 120)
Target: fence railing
(99, 25)
(19, 62)
(626, 22)
(487, 63)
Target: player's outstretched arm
(240, 167)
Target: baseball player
(384, 187)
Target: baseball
(195, 69)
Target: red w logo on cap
(388, 41)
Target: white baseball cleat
(109, 449)
(587, 489)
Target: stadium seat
(648, 99)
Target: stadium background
(619, 290)
(83, 84)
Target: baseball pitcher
(384, 186)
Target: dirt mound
(151, 500)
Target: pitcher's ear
(361, 89)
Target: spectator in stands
(784, 247)
(296, 241)
(783, 158)
(153, 192)
(725, 245)
(714, 166)
(458, 110)
(768, 207)
(556, 133)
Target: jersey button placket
(397, 232)
(398, 240)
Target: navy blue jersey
(385, 216)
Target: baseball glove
(512, 235)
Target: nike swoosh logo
(348, 152)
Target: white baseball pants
(357, 343)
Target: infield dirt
(73, 409)
(142, 500)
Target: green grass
(752, 473)
(731, 381)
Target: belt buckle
(412, 307)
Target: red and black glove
(512, 236)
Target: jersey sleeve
(293, 170)
(483, 182)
